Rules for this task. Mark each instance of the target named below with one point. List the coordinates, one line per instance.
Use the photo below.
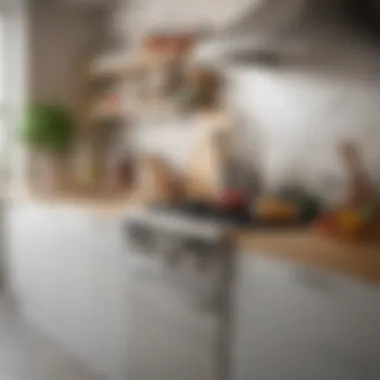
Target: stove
(209, 213)
(180, 270)
(238, 217)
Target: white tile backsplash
(293, 115)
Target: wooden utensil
(156, 181)
(361, 187)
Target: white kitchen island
(291, 320)
(67, 272)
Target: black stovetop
(240, 216)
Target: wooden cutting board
(156, 181)
(205, 177)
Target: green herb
(48, 127)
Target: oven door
(176, 309)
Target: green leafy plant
(48, 127)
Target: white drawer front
(299, 320)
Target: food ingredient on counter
(359, 218)
(273, 209)
(232, 200)
(354, 223)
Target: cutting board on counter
(156, 181)
(206, 172)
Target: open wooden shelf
(116, 67)
(104, 113)
(150, 110)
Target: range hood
(273, 30)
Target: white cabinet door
(33, 247)
(51, 272)
(91, 291)
(107, 298)
(295, 322)
(169, 337)
(68, 272)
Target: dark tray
(239, 217)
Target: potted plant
(49, 131)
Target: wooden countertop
(361, 260)
(308, 246)
(110, 204)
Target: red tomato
(232, 199)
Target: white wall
(295, 114)
(299, 118)
(291, 114)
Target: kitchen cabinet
(297, 322)
(169, 330)
(67, 275)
